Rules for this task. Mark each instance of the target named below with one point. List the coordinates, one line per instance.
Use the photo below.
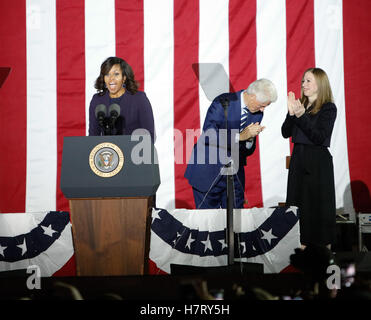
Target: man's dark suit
(201, 175)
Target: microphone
(114, 110)
(114, 113)
(100, 114)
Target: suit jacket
(203, 169)
(136, 113)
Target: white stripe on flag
(329, 57)
(213, 52)
(158, 79)
(41, 106)
(100, 43)
(271, 64)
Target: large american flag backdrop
(55, 49)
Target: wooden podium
(110, 214)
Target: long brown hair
(324, 94)
(131, 84)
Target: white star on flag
(292, 209)
(243, 245)
(224, 244)
(2, 250)
(268, 236)
(178, 235)
(48, 230)
(155, 215)
(207, 244)
(23, 246)
(189, 241)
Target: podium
(110, 182)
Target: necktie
(244, 119)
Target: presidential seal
(106, 159)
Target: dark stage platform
(188, 285)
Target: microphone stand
(230, 194)
(107, 128)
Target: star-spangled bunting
(212, 243)
(202, 241)
(39, 239)
(191, 241)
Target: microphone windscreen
(100, 108)
(114, 108)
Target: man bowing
(228, 136)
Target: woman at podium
(118, 108)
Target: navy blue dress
(136, 113)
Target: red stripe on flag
(68, 269)
(70, 79)
(243, 71)
(300, 51)
(13, 99)
(129, 19)
(357, 83)
(186, 98)
(153, 269)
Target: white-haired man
(232, 123)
